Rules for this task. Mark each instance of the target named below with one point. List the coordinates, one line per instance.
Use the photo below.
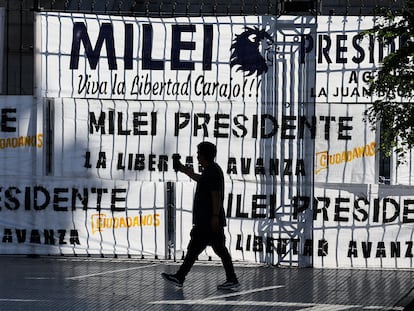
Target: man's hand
(177, 166)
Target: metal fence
(18, 69)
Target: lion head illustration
(245, 51)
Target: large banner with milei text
(126, 94)
(21, 143)
(358, 226)
(66, 216)
(283, 98)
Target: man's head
(206, 152)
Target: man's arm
(189, 172)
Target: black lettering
(258, 206)
(304, 123)
(128, 46)
(177, 45)
(287, 127)
(408, 211)
(232, 166)
(245, 165)
(274, 167)
(21, 235)
(115, 199)
(37, 205)
(258, 244)
(273, 123)
(308, 248)
(120, 130)
(198, 126)
(288, 167)
(83, 199)
(62, 234)
(409, 251)
(396, 208)
(6, 118)
(163, 163)
(101, 163)
(7, 236)
(239, 246)
(300, 204)
(381, 250)
(282, 244)
(120, 165)
(240, 126)
(344, 128)
(239, 214)
(324, 50)
(80, 34)
(322, 248)
(366, 249)
(74, 237)
(99, 125)
(341, 49)
(339, 209)
(49, 237)
(395, 249)
(360, 210)
(99, 192)
(352, 249)
(259, 168)
(57, 199)
(147, 61)
(87, 163)
(12, 202)
(300, 168)
(208, 47)
(139, 162)
(137, 123)
(355, 43)
(324, 210)
(151, 162)
(179, 126)
(218, 125)
(35, 236)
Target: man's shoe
(229, 285)
(173, 279)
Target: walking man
(208, 217)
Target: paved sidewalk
(61, 283)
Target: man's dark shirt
(211, 180)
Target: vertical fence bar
(49, 124)
(170, 247)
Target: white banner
(242, 58)
(363, 227)
(132, 140)
(346, 60)
(135, 140)
(264, 224)
(149, 58)
(20, 142)
(77, 216)
(345, 152)
(126, 94)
